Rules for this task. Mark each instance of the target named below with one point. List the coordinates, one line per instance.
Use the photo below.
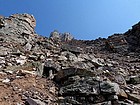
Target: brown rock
(123, 94)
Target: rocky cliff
(60, 70)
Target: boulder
(108, 87)
(65, 73)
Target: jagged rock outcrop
(18, 24)
(67, 37)
(132, 37)
(55, 35)
(64, 71)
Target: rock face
(55, 35)
(18, 24)
(60, 70)
(132, 37)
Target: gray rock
(70, 48)
(39, 102)
(120, 79)
(66, 37)
(71, 72)
(127, 102)
(39, 68)
(3, 53)
(55, 35)
(134, 80)
(81, 89)
(103, 103)
(97, 62)
(6, 80)
(113, 97)
(20, 61)
(28, 47)
(31, 101)
(62, 58)
(33, 57)
(2, 62)
(109, 87)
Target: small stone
(6, 80)
(110, 88)
(31, 101)
(120, 80)
(52, 90)
(134, 79)
(103, 103)
(33, 57)
(23, 57)
(62, 58)
(129, 101)
(28, 47)
(134, 97)
(6, 97)
(3, 53)
(23, 97)
(2, 62)
(21, 62)
(19, 103)
(0, 66)
(113, 97)
(9, 64)
(123, 94)
(15, 88)
(42, 57)
(9, 71)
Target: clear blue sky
(84, 19)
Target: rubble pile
(60, 70)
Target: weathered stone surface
(134, 80)
(120, 79)
(72, 71)
(132, 37)
(127, 102)
(66, 37)
(55, 35)
(31, 101)
(109, 88)
(73, 49)
(18, 24)
(28, 47)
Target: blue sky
(84, 19)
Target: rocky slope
(60, 70)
